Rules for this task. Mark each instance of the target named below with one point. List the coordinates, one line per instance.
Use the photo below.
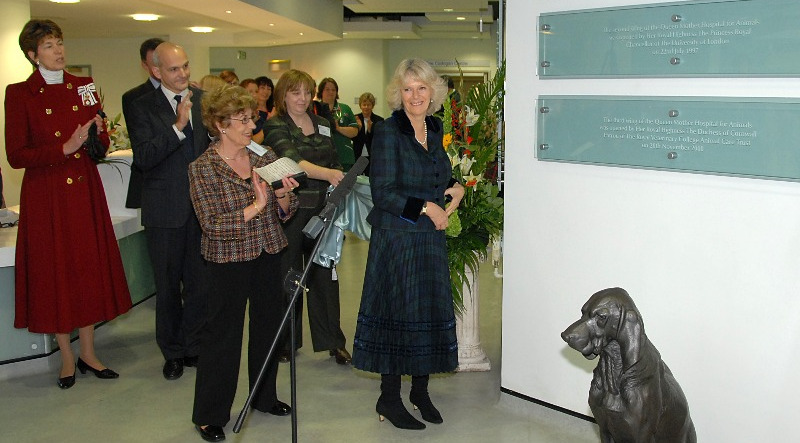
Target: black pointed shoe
(105, 373)
(66, 382)
(211, 432)
(397, 414)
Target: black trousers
(231, 285)
(323, 295)
(180, 291)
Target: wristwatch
(424, 208)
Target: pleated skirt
(406, 322)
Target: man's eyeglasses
(244, 120)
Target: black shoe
(280, 409)
(105, 373)
(426, 407)
(173, 369)
(396, 413)
(190, 361)
(342, 356)
(211, 433)
(66, 382)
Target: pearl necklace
(425, 139)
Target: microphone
(316, 224)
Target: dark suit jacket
(404, 175)
(364, 138)
(164, 159)
(134, 198)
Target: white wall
(710, 261)
(357, 65)
(15, 69)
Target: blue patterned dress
(406, 323)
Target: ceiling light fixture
(448, 9)
(229, 12)
(144, 17)
(65, 1)
(459, 18)
(201, 29)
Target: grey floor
(335, 403)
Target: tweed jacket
(219, 197)
(404, 175)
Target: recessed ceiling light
(203, 29)
(448, 9)
(65, 1)
(344, 33)
(144, 17)
(302, 33)
(395, 36)
(460, 18)
(272, 24)
(228, 12)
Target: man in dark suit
(146, 50)
(167, 134)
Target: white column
(471, 357)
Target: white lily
(471, 117)
(466, 164)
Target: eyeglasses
(244, 120)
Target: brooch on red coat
(87, 94)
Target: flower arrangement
(471, 139)
(118, 135)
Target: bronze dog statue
(633, 395)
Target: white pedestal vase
(471, 357)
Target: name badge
(324, 130)
(256, 148)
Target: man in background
(134, 199)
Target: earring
(37, 62)
(223, 131)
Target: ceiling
(270, 22)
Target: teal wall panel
(698, 38)
(751, 137)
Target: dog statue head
(608, 315)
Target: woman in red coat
(68, 268)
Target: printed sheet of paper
(275, 171)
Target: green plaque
(750, 137)
(686, 39)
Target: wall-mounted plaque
(752, 137)
(698, 38)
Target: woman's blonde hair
(416, 69)
(211, 81)
(222, 103)
(291, 80)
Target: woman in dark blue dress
(406, 323)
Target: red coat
(68, 268)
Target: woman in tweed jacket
(406, 323)
(242, 240)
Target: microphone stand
(296, 282)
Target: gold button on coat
(48, 111)
(77, 155)
(69, 181)
(58, 133)
(75, 107)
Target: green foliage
(471, 141)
